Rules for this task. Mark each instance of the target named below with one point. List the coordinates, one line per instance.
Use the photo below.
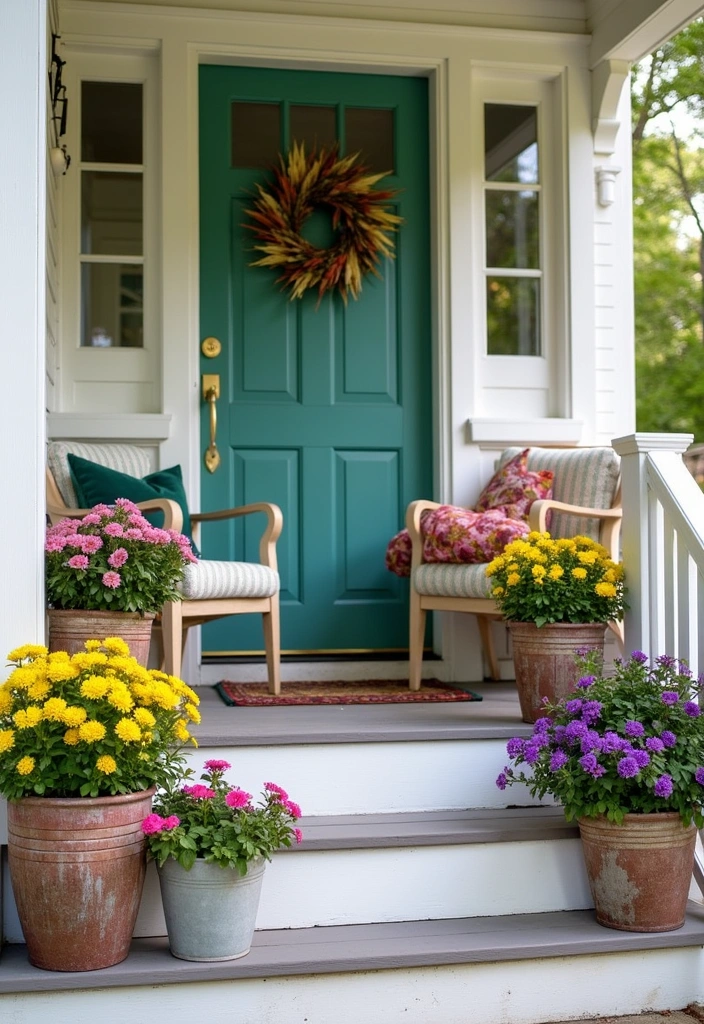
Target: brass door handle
(211, 393)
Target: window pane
(111, 213)
(112, 296)
(256, 134)
(314, 126)
(512, 230)
(513, 316)
(371, 132)
(510, 143)
(111, 122)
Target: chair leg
(487, 639)
(171, 627)
(272, 645)
(416, 638)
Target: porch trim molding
(548, 430)
(76, 426)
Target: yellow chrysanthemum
(6, 700)
(92, 645)
(147, 738)
(54, 709)
(565, 544)
(7, 740)
(164, 696)
(59, 671)
(538, 572)
(75, 716)
(556, 571)
(90, 659)
(27, 719)
(587, 557)
(22, 678)
(142, 693)
(119, 698)
(39, 690)
(71, 737)
(192, 713)
(94, 687)
(512, 579)
(28, 651)
(497, 592)
(579, 573)
(25, 766)
(191, 695)
(181, 731)
(91, 731)
(605, 590)
(116, 645)
(144, 718)
(106, 764)
(513, 567)
(128, 731)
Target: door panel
(325, 407)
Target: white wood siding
(53, 220)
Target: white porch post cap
(639, 444)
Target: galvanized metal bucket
(210, 911)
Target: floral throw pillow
(514, 488)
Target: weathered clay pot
(69, 630)
(77, 867)
(543, 659)
(639, 872)
(210, 911)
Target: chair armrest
(413, 516)
(272, 531)
(173, 516)
(610, 517)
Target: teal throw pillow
(95, 484)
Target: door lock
(211, 347)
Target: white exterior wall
(53, 232)
(573, 398)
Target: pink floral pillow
(459, 535)
(514, 488)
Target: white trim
(88, 426)
(548, 431)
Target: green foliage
(538, 579)
(91, 724)
(114, 560)
(630, 743)
(219, 822)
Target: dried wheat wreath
(363, 223)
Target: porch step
(518, 968)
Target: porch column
(636, 533)
(23, 158)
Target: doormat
(368, 691)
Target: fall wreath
(362, 221)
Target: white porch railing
(663, 548)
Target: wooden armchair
(586, 500)
(211, 589)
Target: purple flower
(685, 670)
(585, 681)
(633, 728)
(699, 776)
(575, 730)
(559, 734)
(668, 738)
(590, 741)
(639, 657)
(502, 780)
(692, 709)
(669, 697)
(514, 747)
(558, 760)
(584, 650)
(531, 753)
(641, 757)
(663, 786)
(627, 767)
(591, 711)
(666, 661)
(611, 742)
(590, 765)
(541, 725)
(573, 707)
(654, 744)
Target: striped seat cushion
(582, 476)
(211, 580)
(125, 458)
(441, 580)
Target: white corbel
(608, 80)
(606, 184)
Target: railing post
(636, 532)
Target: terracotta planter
(543, 659)
(639, 872)
(77, 867)
(69, 630)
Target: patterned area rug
(368, 691)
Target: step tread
(433, 828)
(363, 947)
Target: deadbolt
(211, 347)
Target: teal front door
(324, 409)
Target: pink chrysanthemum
(54, 543)
(237, 798)
(293, 809)
(173, 821)
(91, 544)
(92, 519)
(132, 533)
(214, 765)
(118, 558)
(199, 792)
(112, 580)
(79, 562)
(152, 823)
(113, 529)
(298, 835)
(271, 787)
(74, 540)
